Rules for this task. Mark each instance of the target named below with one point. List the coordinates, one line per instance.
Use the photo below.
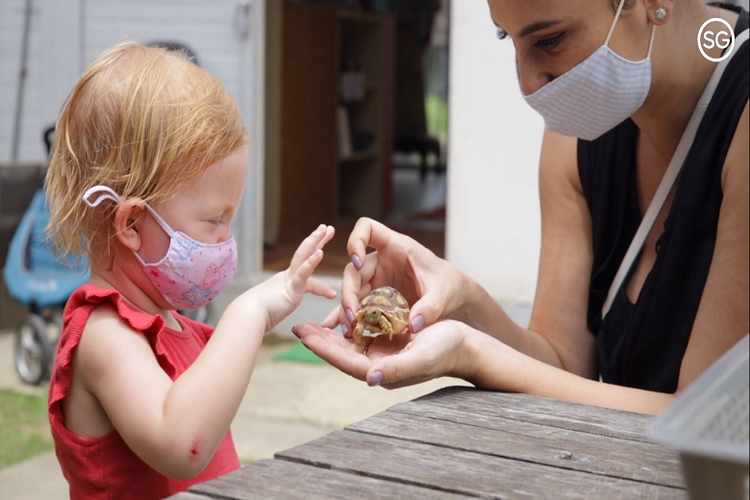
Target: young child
(147, 173)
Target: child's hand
(283, 293)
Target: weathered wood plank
(284, 480)
(529, 442)
(534, 409)
(463, 472)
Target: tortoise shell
(390, 303)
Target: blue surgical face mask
(597, 95)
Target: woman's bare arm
(722, 318)
(558, 334)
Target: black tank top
(642, 345)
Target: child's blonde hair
(143, 121)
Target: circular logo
(708, 39)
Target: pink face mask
(192, 273)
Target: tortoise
(384, 312)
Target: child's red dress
(105, 467)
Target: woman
(684, 301)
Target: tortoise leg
(386, 326)
(357, 335)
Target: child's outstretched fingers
(308, 247)
(301, 270)
(320, 289)
(284, 291)
(301, 275)
(330, 233)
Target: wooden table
(460, 443)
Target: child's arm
(176, 427)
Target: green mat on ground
(300, 353)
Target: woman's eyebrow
(532, 28)
(537, 26)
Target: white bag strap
(675, 166)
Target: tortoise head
(372, 316)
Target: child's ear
(128, 221)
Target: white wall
(66, 35)
(493, 226)
(204, 26)
(52, 69)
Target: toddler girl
(147, 173)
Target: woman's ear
(128, 222)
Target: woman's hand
(283, 293)
(408, 359)
(454, 349)
(433, 287)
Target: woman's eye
(549, 43)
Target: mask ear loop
(614, 23)
(651, 43)
(111, 195)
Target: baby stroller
(42, 283)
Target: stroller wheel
(32, 349)
(54, 326)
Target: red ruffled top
(105, 467)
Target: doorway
(356, 122)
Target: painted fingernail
(344, 329)
(350, 316)
(417, 324)
(357, 262)
(376, 379)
